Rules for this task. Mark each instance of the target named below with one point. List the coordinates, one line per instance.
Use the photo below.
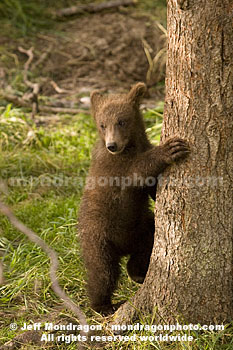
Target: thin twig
(158, 55)
(53, 260)
(30, 55)
(42, 58)
(48, 109)
(161, 27)
(57, 88)
(33, 96)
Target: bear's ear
(96, 99)
(137, 92)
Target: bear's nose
(112, 146)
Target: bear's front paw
(175, 149)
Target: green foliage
(24, 15)
(153, 120)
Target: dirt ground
(108, 51)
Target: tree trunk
(191, 272)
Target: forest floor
(109, 51)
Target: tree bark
(191, 272)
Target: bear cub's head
(117, 117)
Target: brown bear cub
(114, 218)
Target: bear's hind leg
(103, 272)
(139, 260)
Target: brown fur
(115, 220)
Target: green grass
(57, 152)
(23, 17)
(153, 121)
(44, 169)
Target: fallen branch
(30, 55)
(33, 96)
(57, 88)
(53, 260)
(48, 109)
(92, 8)
(20, 102)
(15, 100)
(42, 58)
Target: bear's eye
(102, 126)
(121, 122)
